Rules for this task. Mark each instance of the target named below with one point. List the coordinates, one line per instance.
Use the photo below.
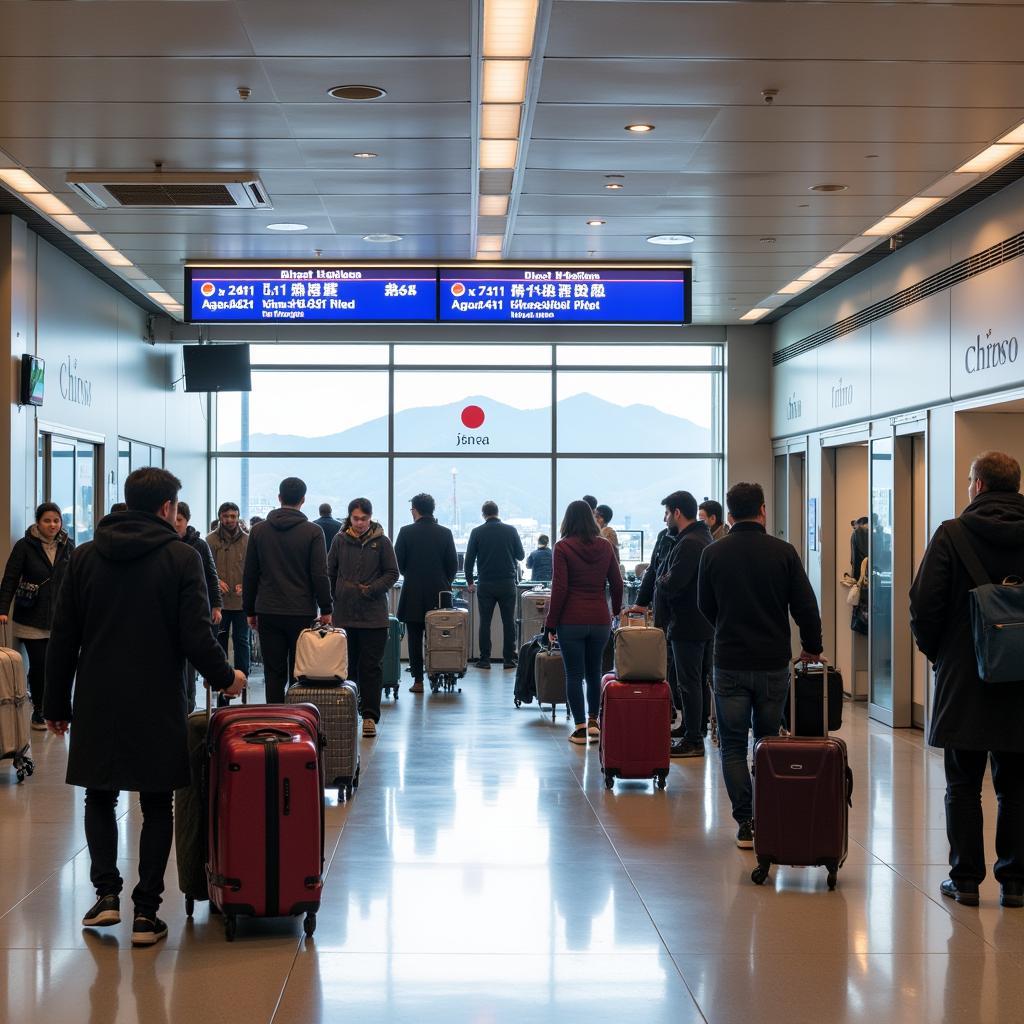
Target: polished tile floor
(483, 874)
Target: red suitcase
(266, 835)
(803, 789)
(636, 726)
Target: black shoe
(679, 732)
(37, 721)
(963, 892)
(104, 912)
(1011, 894)
(148, 930)
(745, 835)
(509, 664)
(684, 748)
(484, 663)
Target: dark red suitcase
(636, 726)
(266, 835)
(803, 788)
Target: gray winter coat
(355, 563)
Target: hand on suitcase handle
(811, 659)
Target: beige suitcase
(641, 654)
(14, 711)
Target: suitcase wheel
(609, 780)
(230, 927)
(309, 924)
(760, 874)
(518, 703)
(190, 906)
(833, 876)
(662, 780)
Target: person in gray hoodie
(362, 568)
(284, 582)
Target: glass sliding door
(67, 471)
(880, 577)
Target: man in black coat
(428, 563)
(131, 609)
(283, 583)
(973, 721)
(495, 550)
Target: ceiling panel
(226, 222)
(392, 153)
(290, 247)
(381, 121)
(399, 205)
(628, 155)
(598, 121)
(624, 204)
(406, 79)
(696, 225)
(379, 28)
(614, 247)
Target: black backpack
(526, 683)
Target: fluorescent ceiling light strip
(755, 314)
(71, 222)
(484, 254)
(793, 287)
(163, 298)
(835, 260)
(498, 154)
(990, 158)
(50, 205)
(1017, 135)
(489, 243)
(493, 206)
(814, 274)
(21, 181)
(115, 259)
(95, 242)
(917, 206)
(500, 121)
(505, 81)
(887, 226)
(509, 27)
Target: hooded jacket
(131, 609)
(968, 714)
(357, 562)
(29, 562)
(194, 540)
(229, 558)
(578, 580)
(286, 567)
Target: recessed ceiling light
(640, 129)
(989, 158)
(493, 206)
(96, 242)
(916, 206)
(505, 81)
(614, 185)
(767, 240)
(595, 223)
(490, 243)
(886, 226)
(70, 222)
(828, 186)
(382, 236)
(670, 239)
(500, 120)
(1017, 135)
(114, 258)
(837, 259)
(793, 287)
(365, 156)
(20, 180)
(509, 27)
(285, 226)
(163, 298)
(755, 314)
(498, 154)
(814, 274)
(484, 254)
(356, 92)
(49, 204)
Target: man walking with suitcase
(749, 585)
(496, 550)
(285, 580)
(975, 722)
(132, 608)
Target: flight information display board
(315, 294)
(564, 295)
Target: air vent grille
(171, 190)
(172, 195)
(977, 263)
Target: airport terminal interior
(522, 251)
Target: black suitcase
(809, 697)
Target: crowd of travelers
(150, 604)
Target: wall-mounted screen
(310, 294)
(33, 379)
(217, 368)
(565, 295)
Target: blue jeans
(745, 700)
(582, 648)
(235, 622)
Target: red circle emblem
(458, 289)
(473, 417)
(207, 289)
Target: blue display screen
(321, 294)
(564, 295)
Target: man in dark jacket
(428, 563)
(496, 551)
(540, 560)
(362, 568)
(648, 597)
(284, 581)
(973, 721)
(710, 511)
(328, 524)
(132, 608)
(749, 585)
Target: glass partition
(881, 566)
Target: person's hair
(489, 508)
(254, 520)
(997, 470)
(326, 510)
(292, 490)
(227, 506)
(119, 506)
(591, 501)
(682, 501)
(215, 523)
(604, 512)
(424, 504)
(363, 504)
(184, 511)
(48, 506)
(543, 540)
(744, 500)
(149, 488)
(711, 508)
(578, 521)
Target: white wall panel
(844, 379)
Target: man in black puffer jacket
(975, 722)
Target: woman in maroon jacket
(578, 612)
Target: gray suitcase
(339, 720)
(447, 644)
(533, 610)
(549, 678)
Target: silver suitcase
(339, 721)
(533, 610)
(447, 641)
(14, 705)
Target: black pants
(154, 846)
(965, 771)
(278, 636)
(503, 594)
(706, 675)
(36, 651)
(688, 656)
(366, 667)
(414, 632)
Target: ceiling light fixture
(382, 236)
(767, 240)
(163, 298)
(835, 260)
(49, 204)
(916, 206)
(990, 158)
(498, 154)
(505, 81)
(756, 313)
(614, 185)
(1012, 138)
(793, 287)
(357, 92)
(489, 243)
(671, 239)
(493, 206)
(484, 254)
(134, 273)
(828, 186)
(96, 242)
(20, 181)
(114, 258)
(365, 156)
(595, 223)
(509, 27)
(639, 129)
(886, 226)
(500, 121)
(286, 226)
(814, 274)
